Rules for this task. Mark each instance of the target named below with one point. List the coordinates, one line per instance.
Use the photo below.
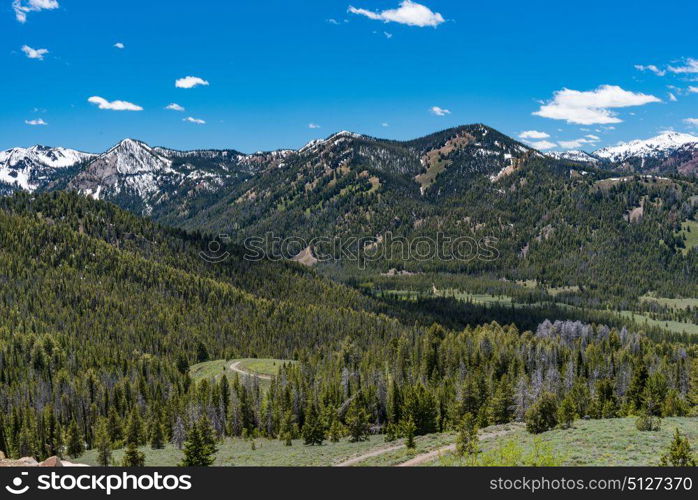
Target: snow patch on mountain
(656, 147)
(26, 168)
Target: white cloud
(542, 145)
(651, 67)
(189, 82)
(435, 110)
(691, 66)
(22, 7)
(692, 121)
(191, 119)
(174, 107)
(578, 143)
(594, 106)
(672, 97)
(119, 45)
(102, 103)
(388, 35)
(409, 13)
(34, 53)
(313, 125)
(333, 21)
(38, 121)
(385, 124)
(533, 134)
(693, 90)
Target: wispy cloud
(102, 103)
(692, 90)
(691, 121)
(333, 21)
(409, 13)
(592, 107)
(174, 107)
(672, 97)
(578, 143)
(388, 35)
(34, 53)
(313, 125)
(22, 7)
(533, 134)
(191, 119)
(119, 45)
(385, 124)
(436, 110)
(36, 122)
(542, 145)
(651, 67)
(189, 82)
(690, 66)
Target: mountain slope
(658, 154)
(34, 168)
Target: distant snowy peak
(656, 147)
(574, 155)
(331, 140)
(28, 168)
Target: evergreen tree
(357, 422)
(468, 443)
(74, 440)
(103, 442)
(542, 415)
(199, 448)
(133, 457)
(134, 428)
(679, 453)
(409, 428)
(566, 412)
(313, 431)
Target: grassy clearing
(256, 366)
(689, 230)
(671, 303)
(611, 442)
(267, 452)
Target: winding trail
(434, 454)
(423, 457)
(374, 453)
(236, 368)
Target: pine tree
(357, 422)
(74, 440)
(134, 428)
(566, 412)
(313, 431)
(199, 448)
(133, 457)
(157, 434)
(468, 443)
(336, 431)
(286, 428)
(542, 415)
(409, 428)
(103, 442)
(679, 453)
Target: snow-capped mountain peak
(659, 146)
(574, 155)
(27, 168)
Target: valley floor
(610, 442)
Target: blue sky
(276, 69)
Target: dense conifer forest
(103, 312)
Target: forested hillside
(102, 313)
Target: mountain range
(578, 220)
